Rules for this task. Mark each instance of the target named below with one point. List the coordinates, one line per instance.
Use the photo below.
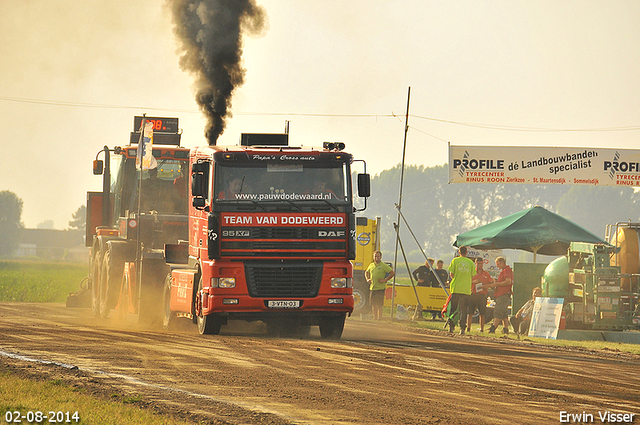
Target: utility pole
(397, 224)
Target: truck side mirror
(98, 166)
(364, 185)
(196, 185)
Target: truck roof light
(333, 146)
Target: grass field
(32, 281)
(58, 402)
(45, 282)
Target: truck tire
(96, 265)
(110, 281)
(103, 286)
(207, 325)
(331, 327)
(170, 317)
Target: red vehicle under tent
(271, 232)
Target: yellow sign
(430, 298)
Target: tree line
(11, 225)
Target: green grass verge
(46, 282)
(24, 395)
(475, 330)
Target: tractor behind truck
(132, 218)
(271, 230)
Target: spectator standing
(442, 274)
(502, 296)
(377, 274)
(444, 277)
(423, 274)
(462, 271)
(522, 319)
(479, 292)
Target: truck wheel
(95, 285)
(207, 325)
(170, 317)
(108, 289)
(331, 327)
(102, 287)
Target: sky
(485, 73)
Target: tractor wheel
(103, 289)
(95, 284)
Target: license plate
(283, 304)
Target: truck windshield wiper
(256, 204)
(331, 205)
(294, 205)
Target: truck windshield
(292, 182)
(164, 188)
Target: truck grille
(283, 242)
(283, 279)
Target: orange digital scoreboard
(160, 125)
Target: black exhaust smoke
(210, 32)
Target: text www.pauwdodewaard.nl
(282, 196)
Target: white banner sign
(545, 318)
(541, 165)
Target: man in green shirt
(377, 274)
(462, 269)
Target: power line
(88, 105)
(535, 129)
(320, 115)
(302, 114)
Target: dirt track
(377, 373)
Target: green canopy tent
(535, 230)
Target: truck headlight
(223, 282)
(341, 282)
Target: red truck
(271, 232)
